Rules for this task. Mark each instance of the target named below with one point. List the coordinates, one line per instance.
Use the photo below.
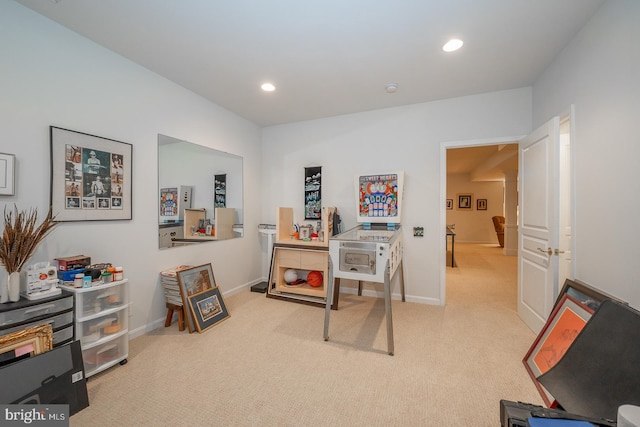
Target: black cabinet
(56, 310)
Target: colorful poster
(378, 196)
(169, 201)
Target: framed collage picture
(90, 177)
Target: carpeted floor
(268, 365)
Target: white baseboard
(159, 323)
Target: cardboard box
(73, 262)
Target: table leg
(327, 308)
(402, 280)
(453, 250)
(387, 306)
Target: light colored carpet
(268, 364)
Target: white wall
(599, 72)
(405, 138)
(51, 76)
(474, 225)
(192, 164)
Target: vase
(14, 286)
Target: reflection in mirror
(199, 193)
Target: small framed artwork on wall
(7, 165)
(481, 204)
(449, 204)
(465, 201)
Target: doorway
(476, 170)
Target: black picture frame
(91, 177)
(465, 202)
(220, 191)
(449, 204)
(313, 192)
(208, 308)
(481, 204)
(586, 294)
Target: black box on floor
(515, 414)
(260, 287)
(55, 376)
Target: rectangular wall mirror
(199, 194)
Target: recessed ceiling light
(452, 45)
(391, 88)
(268, 87)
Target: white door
(538, 229)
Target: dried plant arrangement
(21, 236)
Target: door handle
(557, 252)
(548, 251)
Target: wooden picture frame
(208, 309)
(465, 201)
(33, 341)
(91, 177)
(449, 204)
(585, 294)
(481, 204)
(192, 281)
(563, 325)
(7, 174)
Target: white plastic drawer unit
(33, 310)
(98, 299)
(102, 327)
(105, 355)
(102, 324)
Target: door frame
(570, 115)
(444, 146)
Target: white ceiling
(329, 57)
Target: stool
(170, 309)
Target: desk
(453, 242)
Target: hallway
(483, 276)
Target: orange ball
(314, 278)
